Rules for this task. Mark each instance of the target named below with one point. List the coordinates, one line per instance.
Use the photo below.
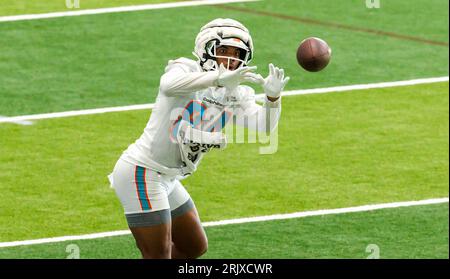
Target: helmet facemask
(211, 47)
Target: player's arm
(178, 80)
(264, 118)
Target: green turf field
(399, 234)
(335, 150)
(19, 7)
(117, 59)
(372, 146)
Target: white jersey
(187, 94)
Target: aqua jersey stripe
(142, 188)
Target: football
(313, 54)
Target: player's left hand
(275, 82)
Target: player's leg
(145, 200)
(188, 236)
(152, 238)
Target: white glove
(231, 79)
(274, 82)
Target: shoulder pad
(188, 65)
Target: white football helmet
(222, 32)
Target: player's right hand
(231, 79)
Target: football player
(196, 100)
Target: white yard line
(16, 119)
(367, 86)
(19, 122)
(239, 221)
(119, 9)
